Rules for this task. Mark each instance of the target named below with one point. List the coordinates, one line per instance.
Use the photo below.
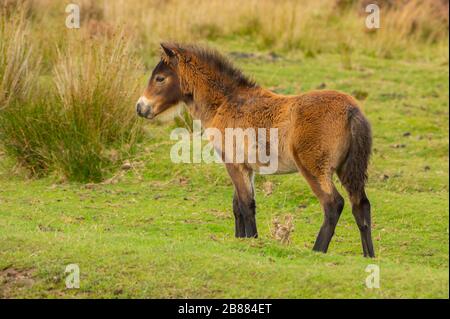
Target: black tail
(353, 171)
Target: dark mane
(219, 63)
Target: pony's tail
(353, 171)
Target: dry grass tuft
(69, 123)
(281, 230)
(18, 70)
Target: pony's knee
(361, 212)
(361, 205)
(337, 203)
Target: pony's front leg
(244, 207)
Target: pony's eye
(159, 78)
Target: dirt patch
(268, 188)
(12, 279)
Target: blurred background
(99, 68)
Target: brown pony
(319, 133)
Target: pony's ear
(169, 49)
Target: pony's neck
(201, 111)
(206, 100)
(210, 89)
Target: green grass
(166, 230)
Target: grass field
(165, 230)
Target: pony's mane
(219, 63)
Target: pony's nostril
(138, 108)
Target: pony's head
(186, 71)
(163, 90)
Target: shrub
(97, 86)
(71, 123)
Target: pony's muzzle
(144, 109)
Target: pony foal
(320, 133)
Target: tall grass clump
(17, 71)
(19, 74)
(78, 120)
(97, 85)
(416, 23)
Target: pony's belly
(286, 169)
(282, 167)
(280, 160)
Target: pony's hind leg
(360, 209)
(361, 212)
(353, 175)
(332, 204)
(360, 206)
